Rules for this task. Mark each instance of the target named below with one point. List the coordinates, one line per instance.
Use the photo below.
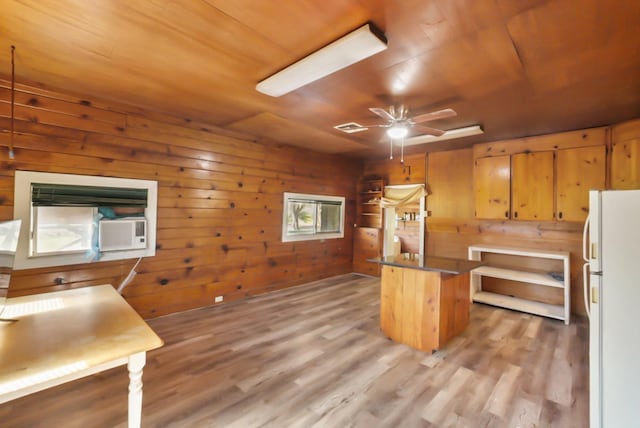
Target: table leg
(135, 366)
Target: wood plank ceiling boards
(516, 68)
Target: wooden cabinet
(549, 175)
(532, 186)
(625, 164)
(451, 174)
(518, 186)
(492, 178)
(578, 171)
(369, 210)
(367, 244)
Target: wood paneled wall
(625, 156)
(219, 202)
(412, 171)
(452, 227)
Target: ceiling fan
(399, 122)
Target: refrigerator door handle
(585, 239)
(585, 282)
(585, 267)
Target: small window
(63, 214)
(307, 217)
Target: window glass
(301, 217)
(312, 217)
(62, 229)
(329, 217)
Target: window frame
(289, 197)
(22, 209)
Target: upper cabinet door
(625, 165)
(532, 186)
(492, 185)
(578, 170)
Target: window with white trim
(64, 215)
(307, 217)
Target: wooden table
(424, 300)
(66, 335)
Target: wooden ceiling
(515, 67)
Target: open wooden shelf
(519, 275)
(526, 276)
(522, 305)
(367, 236)
(369, 209)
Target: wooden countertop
(428, 263)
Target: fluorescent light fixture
(355, 46)
(448, 135)
(396, 132)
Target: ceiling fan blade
(382, 113)
(440, 114)
(430, 131)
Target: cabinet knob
(560, 215)
(515, 214)
(506, 214)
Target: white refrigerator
(612, 299)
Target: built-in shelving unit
(367, 235)
(524, 275)
(369, 210)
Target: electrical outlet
(218, 299)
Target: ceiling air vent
(350, 127)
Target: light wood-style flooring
(314, 355)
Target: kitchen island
(424, 300)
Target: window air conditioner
(122, 234)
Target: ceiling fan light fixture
(397, 132)
(349, 49)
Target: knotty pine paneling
(219, 199)
(450, 195)
(408, 232)
(626, 131)
(412, 171)
(453, 228)
(542, 143)
(625, 156)
(451, 235)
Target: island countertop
(428, 263)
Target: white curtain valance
(399, 196)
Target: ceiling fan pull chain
(402, 150)
(390, 148)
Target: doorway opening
(404, 212)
